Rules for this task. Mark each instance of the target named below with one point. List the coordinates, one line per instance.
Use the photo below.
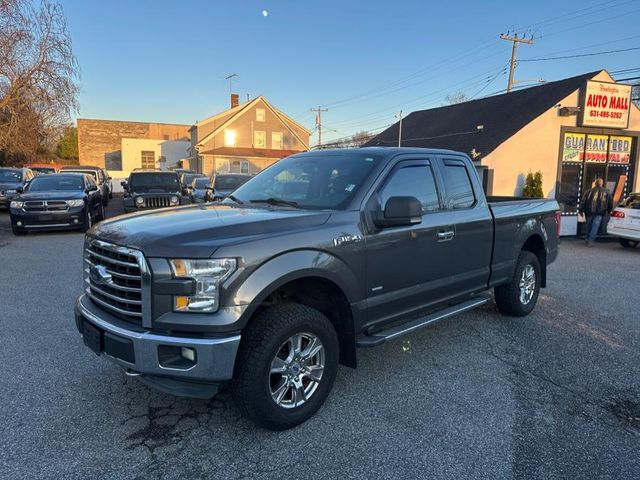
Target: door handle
(446, 235)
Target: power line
(542, 59)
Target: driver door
(405, 268)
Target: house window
(259, 114)
(148, 158)
(276, 140)
(229, 138)
(259, 139)
(244, 167)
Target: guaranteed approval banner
(606, 105)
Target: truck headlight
(208, 275)
(139, 201)
(174, 200)
(75, 203)
(16, 204)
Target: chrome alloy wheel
(296, 370)
(527, 284)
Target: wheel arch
(535, 244)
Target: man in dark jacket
(596, 203)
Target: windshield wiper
(276, 201)
(233, 198)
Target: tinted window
(13, 176)
(201, 182)
(229, 182)
(458, 186)
(416, 181)
(153, 179)
(55, 182)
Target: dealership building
(572, 131)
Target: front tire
(17, 231)
(518, 297)
(286, 365)
(628, 243)
(88, 221)
(100, 215)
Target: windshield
(311, 181)
(632, 202)
(201, 182)
(93, 173)
(12, 176)
(149, 180)
(188, 177)
(229, 182)
(56, 182)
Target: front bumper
(138, 351)
(72, 218)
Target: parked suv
(54, 202)
(11, 179)
(321, 253)
(99, 175)
(148, 189)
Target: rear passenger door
(469, 249)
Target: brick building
(100, 142)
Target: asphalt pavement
(552, 395)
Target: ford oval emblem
(99, 275)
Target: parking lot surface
(552, 395)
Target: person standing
(596, 203)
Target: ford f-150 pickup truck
(321, 253)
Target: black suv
(147, 189)
(59, 201)
(11, 179)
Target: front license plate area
(92, 338)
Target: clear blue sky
(165, 61)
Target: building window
(259, 114)
(259, 139)
(244, 167)
(229, 138)
(276, 140)
(148, 158)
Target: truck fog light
(75, 220)
(19, 223)
(188, 353)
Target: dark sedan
(60, 201)
(11, 179)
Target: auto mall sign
(606, 105)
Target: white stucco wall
(171, 150)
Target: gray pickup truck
(321, 253)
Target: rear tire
(628, 243)
(267, 367)
(518, 297)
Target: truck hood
(196, 231)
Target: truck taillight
(558, 220)
(617, 214)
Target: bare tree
(38, 75)
(456, 97)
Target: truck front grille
(157, 202)
(114, 278)
(45, 206)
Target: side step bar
(382, 336)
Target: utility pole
(516, 40)
(318, 111)
(399, 116)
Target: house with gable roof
(245, 139)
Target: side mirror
(400, 212)
(125, 185)
(19, 189)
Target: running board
(382, 336)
